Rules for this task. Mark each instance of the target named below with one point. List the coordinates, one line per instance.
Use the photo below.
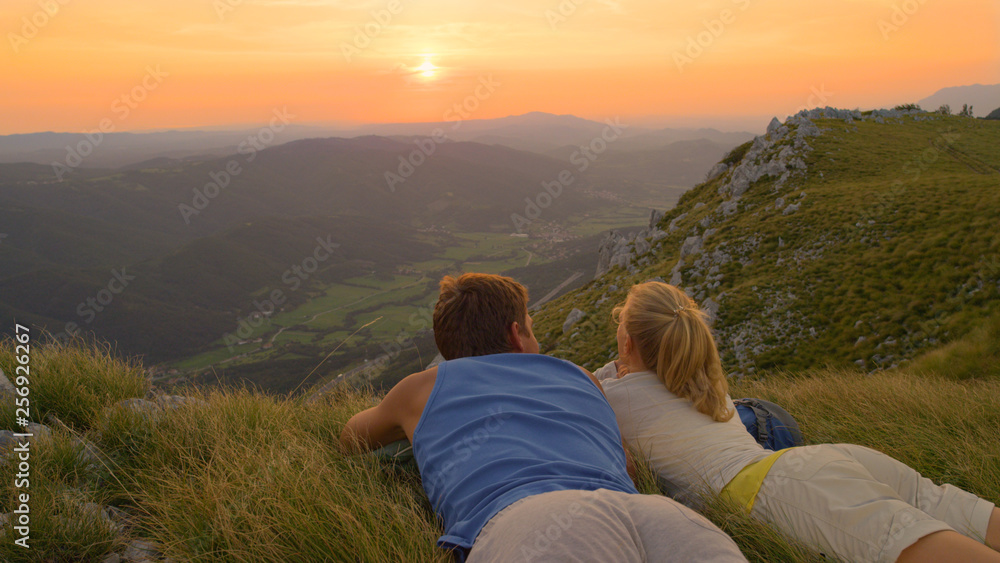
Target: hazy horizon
(726, 63)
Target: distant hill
(983, 98)
(837, 238)
(469, 183)
(122, 149)
(536, 132)
(549, 134)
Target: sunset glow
(233, 61)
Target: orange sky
(234, 61)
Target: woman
(671, 399)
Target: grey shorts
(600, 525)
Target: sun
(427, 69)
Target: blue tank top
(503, 427)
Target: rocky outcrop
(764, 159)
(574, 317)
(618, 250)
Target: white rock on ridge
(791, 209)
(574, 317)
(614, 250)
(716, 171)
(692, 245)
(619, 250)
(729, 207)
(675, 274)
(673, 223)
(760, 160)
(711, 308)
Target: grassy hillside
(865, 242)
(241, 476)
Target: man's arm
(386, 422)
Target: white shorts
(600, 525)
(858, 504)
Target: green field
(396, 305)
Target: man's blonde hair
(674, 340)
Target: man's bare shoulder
(419, 379)
(412, 391)
(409, 397)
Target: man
(520, 453)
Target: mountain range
(536, 132)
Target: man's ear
(514, 337)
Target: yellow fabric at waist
(744, 487)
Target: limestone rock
(711, 308)
(178, 401)
(692, 245)
(6, 387)
(140, 550)
(574, 317)
(716, 171)
(728, 208)
(673, 224)
(655, 217)
(618, 250)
